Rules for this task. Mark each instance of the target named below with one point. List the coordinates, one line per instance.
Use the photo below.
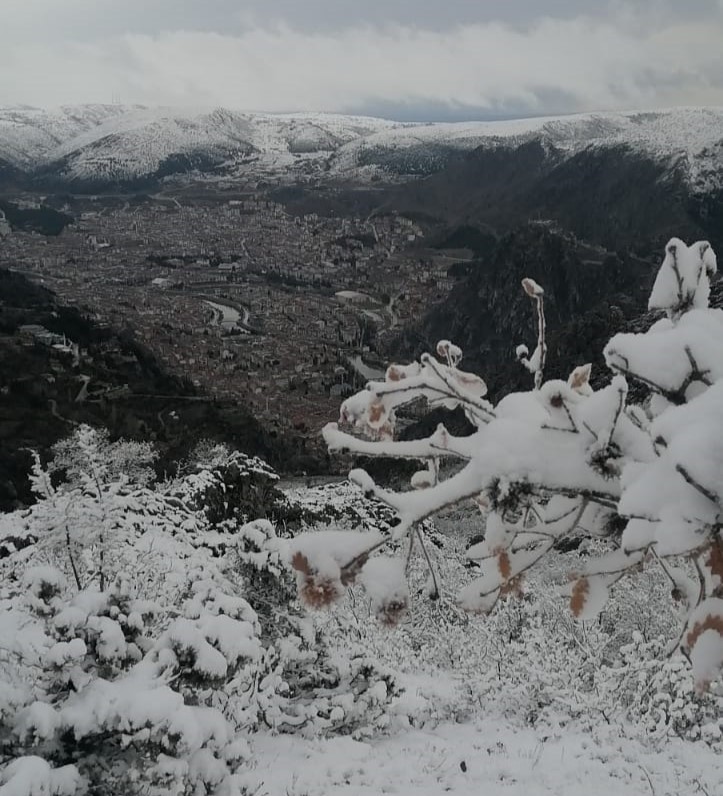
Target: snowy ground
(499, 759)
(494, 747)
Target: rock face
(589, 292)
(614, 196)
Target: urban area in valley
(284, 313)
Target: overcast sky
(404, 59)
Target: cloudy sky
(404, 59)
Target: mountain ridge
(112, 143)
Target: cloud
(480, 68)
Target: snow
(706, 657)
(687, 139)
(489, 756)
(33, 776)
(327, 552)
(112, 141)
(385, 581)
(660, 356)
(235, 640)
(63, 652)
(31, 135)
(38, 719)
(683, 280)
(130, 141)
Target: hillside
(613, 196)
(589, 291)
(127, 391)
(114, 145)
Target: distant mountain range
(116, 146)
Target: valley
(246, 301)
(361, 398)
(278, 262)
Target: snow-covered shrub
(229, 485)
(320, 689)
(531, 660)
(146, 642)
(85, 523)
(564, 460)
(101, 712)
(657, 690)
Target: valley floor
(500, 760)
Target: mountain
(29, 136)
(111, 145)
(615, 196)
(589, 293)
(686, 140)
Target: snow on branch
(441, 443)
(564, 460)
(674, 360)
(535, 363)
(439, 384)
(683, 281)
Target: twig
(700, 787)
(470, 400)
(435, 594)
(647, 776)
(698, 487)
(72, 559)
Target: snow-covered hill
(120, 143)
(30, 136)
(687, 138)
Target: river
(228, 317)
(364, 370)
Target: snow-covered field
(487, 757)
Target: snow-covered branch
(565, 459)
(535, 363)
(440, 444)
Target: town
(283, 313)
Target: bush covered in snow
(560, 461)
(144, 640)
(530, 660)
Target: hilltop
(115, 145)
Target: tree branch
(337, 440)
(707, 493)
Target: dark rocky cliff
(589, 293)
